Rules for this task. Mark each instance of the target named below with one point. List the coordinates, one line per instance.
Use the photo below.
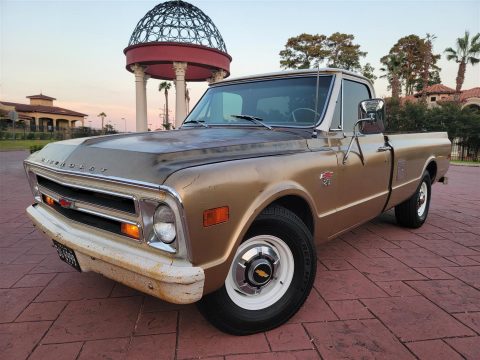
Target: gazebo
(175, 41)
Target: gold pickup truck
(226, 210)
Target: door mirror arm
(355, 138)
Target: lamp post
(125, 123)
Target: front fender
(246, 187)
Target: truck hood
(153, 156)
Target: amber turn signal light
(48, 200)
(215, 216)
(130, 230)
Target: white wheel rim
(422, 199)
(277, 285)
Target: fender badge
(326, 177)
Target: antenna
(314, 134)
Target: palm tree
(393, 68)
(103, 116)
(467, 51)
(165, 86)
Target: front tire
(413, 212)
(270, 277)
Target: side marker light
(215, 216)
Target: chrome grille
(94, 197)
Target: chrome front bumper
(129, 263)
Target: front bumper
(165, 277)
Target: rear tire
(270, 277)
(413, 212)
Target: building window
(433, 99)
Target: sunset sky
(73, 50)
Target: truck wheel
(413, 212)
(270, 277)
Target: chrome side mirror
(373, 112)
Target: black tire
(221, 311)
(407, 213)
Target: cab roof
(289, 73)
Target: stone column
(217, 76)
(141, 97)
(180, 103)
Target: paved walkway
(381, 292)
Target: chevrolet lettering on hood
(73, 165)
(227, 210)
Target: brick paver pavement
(381, 292)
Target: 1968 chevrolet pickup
(226, 210)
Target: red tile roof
(41, 96)
(467, 94)
(437, 89)
(43, 109)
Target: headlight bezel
(148, 206)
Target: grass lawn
(469, 163)
(6, 145)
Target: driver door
(363, 184)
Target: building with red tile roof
(439, 92)
(41, 114)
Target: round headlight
(164, 224)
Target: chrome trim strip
(125, 196)
(111, 179)
(274, 126)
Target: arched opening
(45, 124)
(62, 125)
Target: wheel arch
(432, 169)
(299, 206)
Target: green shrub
(30, 136)
(35, 148)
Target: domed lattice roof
(177, 21)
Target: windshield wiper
(253, 119)
(201, 122)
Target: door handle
(383, 148)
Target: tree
(468, 51)
(304, 51)
(416, 56)
(343, 53)
(433, 78)
(393, 72)
(367, 71)
(338, 50)
(429, 68)
(109, 129)
(103, 116)
(165, 86)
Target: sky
(73, 49)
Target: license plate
(66, 254)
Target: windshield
(277, 102)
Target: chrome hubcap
(422, 199)
(261, 272)
(255, 268)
